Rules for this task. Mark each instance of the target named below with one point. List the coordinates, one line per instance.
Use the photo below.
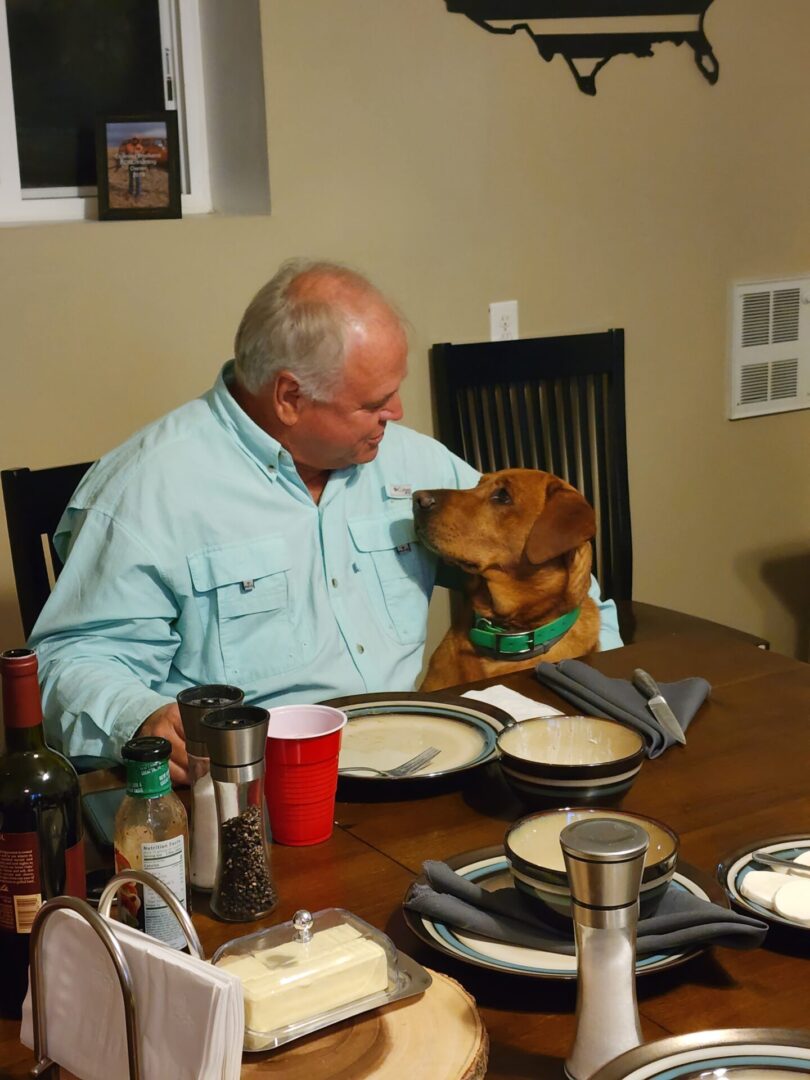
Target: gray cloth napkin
(617, 699)
(681, 921)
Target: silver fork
(407, 768)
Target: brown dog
(523, 537)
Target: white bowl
(571, 760)
(538, 868)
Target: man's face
(348, 429)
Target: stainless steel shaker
(194, 703)
(604, 858)
(236, 738)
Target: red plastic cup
(301, 773)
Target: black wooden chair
(35, 501)
(557, 404)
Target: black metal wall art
(608, 28)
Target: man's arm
(105, 642)
(609, 637)
(165, 722)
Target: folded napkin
(681, 921)
(617, 699)
(190, 1014)
(517, 705)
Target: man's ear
(287, 398)
(566, 522)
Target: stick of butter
(299, 980)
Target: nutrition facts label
(166, 859)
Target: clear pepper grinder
(604, 858)
(194, 703)
(236, 738)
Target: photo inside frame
(138, 160)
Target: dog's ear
(566, 522)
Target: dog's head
(514, 521)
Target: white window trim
(16, 208)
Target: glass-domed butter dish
(313, 971)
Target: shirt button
(334, 582)
(360, 649)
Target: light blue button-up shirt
(196, 555)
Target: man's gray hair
(287, 329)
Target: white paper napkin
(190, 1014)
(517, 705)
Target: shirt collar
(263, 447)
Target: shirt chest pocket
(403, 573)
(246, 595)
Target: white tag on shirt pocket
(398, 491)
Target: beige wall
(457, 168)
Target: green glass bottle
(41, 839)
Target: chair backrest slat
(34, 503)
(552, 403)
(585, 446)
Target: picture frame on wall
(138, 166)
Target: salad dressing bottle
(151, 833)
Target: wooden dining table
(742, 777)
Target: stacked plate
(384, 730)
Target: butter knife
(657, 705)
(767, 859)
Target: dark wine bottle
(41, 842)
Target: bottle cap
(147, 762)
(18, 661)
(146, 748)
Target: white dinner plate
(384, 730)
(732, 872)
(489, 867)
(730, 1054)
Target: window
(63, 62)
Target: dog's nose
(424, 500)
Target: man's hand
(166, 723)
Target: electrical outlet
(503, 320)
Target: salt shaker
(604, 858)
(194, 703)
(236, 737)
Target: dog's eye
(501, 495)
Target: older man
(261, 535)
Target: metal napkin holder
(45, 1067)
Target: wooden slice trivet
(438, 1035)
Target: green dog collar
(489, 638)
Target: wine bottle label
(20, 896)
(20, 886)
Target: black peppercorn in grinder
(235, 737)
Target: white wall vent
(770, 348)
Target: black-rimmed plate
(489, 868)
(384, 730)
(732, 870)
(729, 1054)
